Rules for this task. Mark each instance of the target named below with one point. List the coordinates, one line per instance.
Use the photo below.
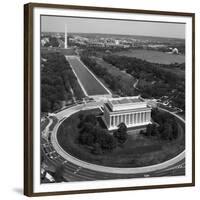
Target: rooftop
(125, 110)
(126, 103)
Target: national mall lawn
(138, 150)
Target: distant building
(117, 42)
(175, 51)
(151, 103)
(44, 41)
(133, 111)
(96, 44)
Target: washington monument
(65, 36)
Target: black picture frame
(28, 97)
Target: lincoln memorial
(133, 111)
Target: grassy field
(126, 80)
(114, 70)
(153, 56)
(138, 150)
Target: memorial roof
(126, 101)
(122, 111)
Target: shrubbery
(91, 134)
(121, 133)
(166, 127)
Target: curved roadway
(104, 169)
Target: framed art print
(108, 99)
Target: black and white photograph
(112, 99)
(115, 100)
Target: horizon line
(113, 34)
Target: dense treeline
(160, 79)
(97, 138)
(137, 66)
(57, 82)
(165, 126)
(113, 82)
(92, 135)
(121, 133)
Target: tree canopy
(57, 82)
(167, 79)
(165, 126)
(121, 133)
(91, 134)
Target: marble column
(124, 118)
(131, 118)
(112, 121)
(142, 117)
(135, 118)
(128, 118)
(117, 119)
(138, 118)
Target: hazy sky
(85, 25)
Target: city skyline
(108, 26)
